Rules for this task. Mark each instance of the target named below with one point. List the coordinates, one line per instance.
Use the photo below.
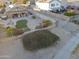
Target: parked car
(30, 13)
(60, 10)
(4, 17)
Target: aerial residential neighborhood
(39, 29)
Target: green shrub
(39, 39)
(45, 23)
(75, 22)
(13, 31)
(9, 31)
(21, 24)
(34, 17)
(69, 13)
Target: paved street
(67, 50)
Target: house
(55, 5)
(49, 4)
(15, 11)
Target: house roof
(47, 1)
(17, 8)
(43, 1)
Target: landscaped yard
(20, 25)
(45, 45)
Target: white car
(56, 6)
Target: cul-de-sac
(39, 29)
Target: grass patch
(33, 17)
(39, 39)
(69, 14)
(21, 24)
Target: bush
(69, 13)
(34, 17)
(13, 31)
(9, 31)
(21, 24)
(45, 23)
(75, 21)
(17, 31)
(39, 39)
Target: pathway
(67, 50)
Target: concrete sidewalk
(67, 50)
